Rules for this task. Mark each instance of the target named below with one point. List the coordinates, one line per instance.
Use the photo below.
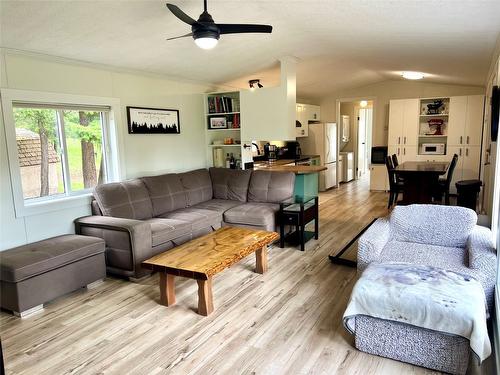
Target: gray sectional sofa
(142, 217)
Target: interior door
(361, 143)
(331, 142)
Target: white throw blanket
(422, 296)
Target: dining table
(420, 179)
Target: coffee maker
(271, 152)
(293, 150)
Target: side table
(299, 213)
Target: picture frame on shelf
(217, 123)
(143, 120)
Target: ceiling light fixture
(254, 82)
(206, 42)
(363, 103)
(412, 75)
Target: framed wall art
(153, 121)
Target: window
(60, 150)
(60, 146)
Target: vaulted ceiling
(339, 44)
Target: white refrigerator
(322, 140)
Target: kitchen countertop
(281, 165)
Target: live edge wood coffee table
(202, 258)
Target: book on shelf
(223, 104)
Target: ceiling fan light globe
(206, 43)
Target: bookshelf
(222, 125)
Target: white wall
(142, 154)
(382, 92)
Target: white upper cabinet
(313, 112)
(403, 124)
(410, 117)
(466, 120)
(457, 118)
(396, 113)
(474, 120)
(302, 127)
(304, 114)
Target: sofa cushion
(254, 214)
(127, 199)
(271, 187)
(164, 230)
(166, 192)
(196, 217)
(218, 205)
(230, 184)
(433, 224)
(33, 259)
(198, 186)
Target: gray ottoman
(415, 345)
(33, 274)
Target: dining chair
(443, 186)
(395, 161)
(395, 186)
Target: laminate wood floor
(287, 321)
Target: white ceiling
(339, 44)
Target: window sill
(51, 205)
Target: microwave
(379, 154)
(432, 149)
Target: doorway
(365, 118)
(355, 119)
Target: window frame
(111, 147)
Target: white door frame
(373, 99)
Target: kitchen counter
(297, 169)
(288, 165)
(306, 176)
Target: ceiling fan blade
(226, 28)
(182, 36)
(180, 14)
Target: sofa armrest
(137, 232)
(481, 249)
(371, 243)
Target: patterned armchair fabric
(441, 236)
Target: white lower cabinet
(341, 169)
(471, 163)
(379, 180)
(404, 153)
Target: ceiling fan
(206, 32)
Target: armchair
(441, 236)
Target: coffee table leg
(205, 297)
(261, 260)
(167, 289)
